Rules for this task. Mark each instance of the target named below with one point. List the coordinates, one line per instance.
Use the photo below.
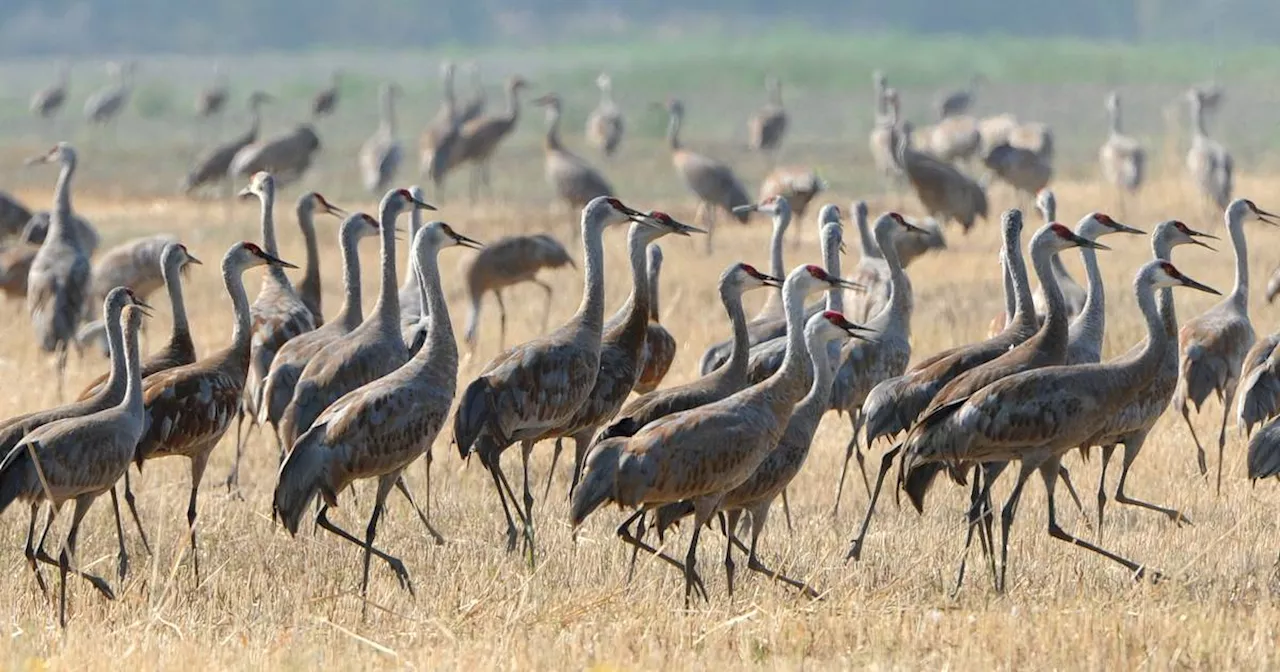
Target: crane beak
(244, 193)
(846, 284)
(191, 259)
(1081, 241)
(913, 228)
(1267, 217)
(1125, 228)
(143, 305)
(423, 205)
(770, 281)
(746, 209)
(276, 261)
(334, 210)
(1203, 244)
(1188, 282)
(468, 242)
(35, 160)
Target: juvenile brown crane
(711, 181)
(605, 123)
(504, 263)
(572, 178)
(189, 408)
(58, 283)
(370, 351)
(1214, 344)
(78, 459)
(798, 185)
(539, 385)
(767, 126)
(377, 430)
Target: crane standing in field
(47, 102)
(1209, 164)
(380, 155)
(371, 351)
(78, 459)
(214, 165)
(287, 366)
(703, 454)
(945, 192)
(211, 100)
(479, 137)
(1122, 157)
(286, 156)
(438, 142)
(570, 176)
(326, 100)
(711, 181)
(180, 349)
(1214, 344)
(766, 127)
(539, 385)
(379, 429)
(105, 105)
(189, 408)
(474, 108)
(605, 123)
(135, 264)
(506, 262)
(58, 283)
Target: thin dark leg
(844, 472)
(30, 550)
(526, 448)
(198, 464)
(233, 476)
(886, 463)
(730, 520)
(786, 511)
(132, 502)
(1102, 484)
(754, 564)
(402, 574)
(975, 522)
(425, 517)
(1049, 472)
(492, 462)
(1131, 454)
(1200, 456)
(384, 487)
(502, 320)
(691, 577)
(1222, 434)
(638, 544)
(623, 532)
(1006, 519)
(546, 306)
(555, 459)
(581, 442)
(1065, 476)
(122, 557)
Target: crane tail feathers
(473, 414)
(299, 479)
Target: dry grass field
(268, 601)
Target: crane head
(256, 256)
(1164, 274)
(1188, 235)
(323, 205)
(1110, 225)
(902, 221)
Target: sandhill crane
(572, 178)
(326, 100)
(1273, 286)
(211, 100)
(1122, 157)
(957, 102)
(952, 138)
(1026, 171)
(757, 494)
(370, 351)
(863, 364)
(1214, 344)
(736, 280)
(1131, 424)
(506, 262)
(190, 408)
(58, 283)
(286, 156)
(540, 384)
(798, 185)
(927, 237)
(778, 207)
(711, 181)
(605, 123)
(621, 347)
(47, 102)
(946, 193)
(180, 349)
(78, 459)
(767, 126)
(438, 142)
(871, 272)
(379, 429)
(1073, 295)
(214, 165)
(659, 345)
(380, 155)
(996, 130)
(1084, 336)
(287, 366)
(410, 293)
(704, 453)
(105, 105)
(1209, 164)
(279, 314)
(1259, 389)
(38, 228)
(134, 264)
(15, 429)
(479, 137)
(13, 216)
(474, 108)
(883, 139)
(1036, 416)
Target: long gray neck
(591, 310)
(234, 282)
(899, 305)
(866, 241)
(636, 308)
(513, 104)
(309, 288)
(117, 378)
(1115, 117)
(439, 352)
(132, 401)
(352, 303)
(1010, 292)
(654, 270)
(1090, 324)
(1197, 120)
(173, 285)
(387, 122)
(553, 127)
(1161, 249)
(60, 218)
(831, 258)
(673, 131)
(737, 364)
(268, 219)
(792, 370)
(818, 400)
(781, 221)
(1023, 306)
(1056, 308)
(1240, 292)
(411, 269)
(1147, 363)
(387, 309)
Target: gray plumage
(766, 128)
(1209, 164)
(326, 100)
(1073, 295)
(1084, 335)
(381, 154)
(286, 156)
(799, 185)
(86, 235)
(479, 137)
(104, 105)
(214, 165)
(926, 238)
(134, 264)
(1026, 171)
(660, 346)
(370, 351)
(438, 142)
(958, 101)
(605, 124)
(506, 262)
(212, 99)
(1122, 158)
(47, 102)
(946, 193)
(573, 179)
(1259, 389)
(712, 181)
(13, 216)
(58, 283)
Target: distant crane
(711, 181)
(380, 155)
(605, 124)
(766, 127)
(506, 262)
(326, 100)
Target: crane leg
(638, 544)
(886, 463)
(384, 487)
(198, 464)
(546, 305)
(1049, 472)
(424, 516)
(62, 369)
(1200, 457)
(402, 574)
(1006, 518)
(786, 511)
(122, 556)
(132, 502)
(30, 550)
(581, 442)
(975, 522)
(730, 519)
(43, 557)
(233, 477)
(1131, 454)
(555, 459)
(491, 460)
(754, 564)
(853, 448)
(692, 582)
(1102, 484)
(1065, 476)
(65, 560)
(1222, 434)
(502, 320)
(526, 447)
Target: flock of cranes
(362, 395)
